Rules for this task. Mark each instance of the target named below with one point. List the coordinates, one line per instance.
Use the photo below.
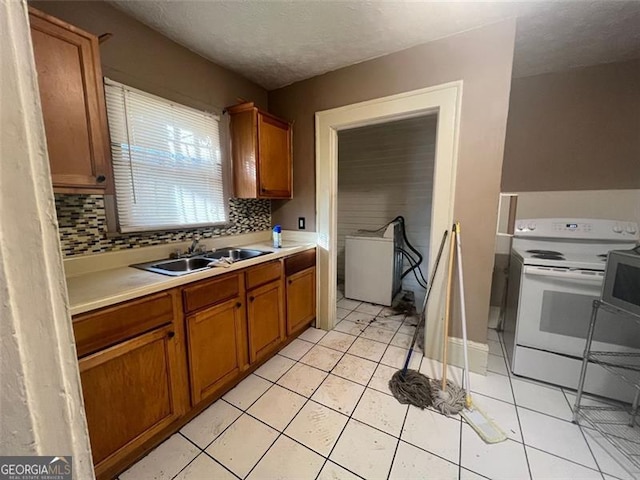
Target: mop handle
(463, 315)
(424, 303)
(447, 309)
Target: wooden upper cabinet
(73, 107)
(261, 152)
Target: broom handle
(424, 303)
(447, 309)
(464, 317)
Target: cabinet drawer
(97, 330)
(299, 262)
(210, 292)
(262, 274)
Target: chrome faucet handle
(177, 253)
(194, 244)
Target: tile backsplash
(83, 225)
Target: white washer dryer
(373, 265)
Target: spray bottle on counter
(277, 236)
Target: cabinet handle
(290, 282)
(171, 334)
(101, 178)
(238, 305)
(251, 299)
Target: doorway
(385, 171)
(443, 101)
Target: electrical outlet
(301, 223)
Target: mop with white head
(410, 386)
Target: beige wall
(574, 130)
(482, 58)
(142, 58)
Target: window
(167, 162)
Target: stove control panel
(585, 229)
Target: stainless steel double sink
(184, 266)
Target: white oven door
(555, 310)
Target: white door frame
(445, 100)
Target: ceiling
(278, 43)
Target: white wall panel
(384, 171)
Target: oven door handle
(596, 277)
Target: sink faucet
(194, 245)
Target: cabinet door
(130, 394)
(301, 299)
(216, 343)
(72, 97)
(266, 319)
(274, 157)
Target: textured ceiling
(278, 43)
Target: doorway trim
(443, 100)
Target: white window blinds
(167, 162)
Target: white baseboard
(478, 355)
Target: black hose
(414, 264)
(411, 247)
(412, 261)
(412, 269)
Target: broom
(409, 386)
(446, 396)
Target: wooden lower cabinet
(265, 316)
(216, 342)
(301, 299)
(131, 392)
(151, 364)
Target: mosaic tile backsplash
(83, 225)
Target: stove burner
(545, 252)
(548, 256)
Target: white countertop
(96, 289)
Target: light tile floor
(321, 409)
